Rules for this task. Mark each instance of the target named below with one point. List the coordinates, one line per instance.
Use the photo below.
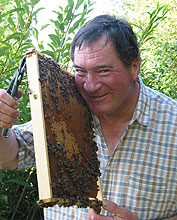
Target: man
(135, 128)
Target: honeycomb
(72, 151)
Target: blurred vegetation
(16, 19)
(19, 195)
(155, 26)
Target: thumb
(120, 211)
(19, 93)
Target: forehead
(103, 40)
(102, 47)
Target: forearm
(8, 151)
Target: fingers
(119, 211)
(7, 99)
(92, 215)
(9, 112)
(114, 208)
(19, 94)
(97, 210)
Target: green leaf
(60, 8)
(35, 33)
(49, 53)
(18, 3)
(61, 27)
(2, 175)
(10, 20)
(26, 7)
(71, 3)
(79, 3)
(53, 21)
(69, 13)
(15, 36)
(60, 17)
(34, 2)
(35, 12)
(138, 26)
(3, 50)
(20, 182)
(149, 38)
(21, 21)
(55, 39)
(4, 198)
(44, 26)
(40, 45)
(75, 25)
(9, 12)
(52, 47)
(24, 48)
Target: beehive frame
(38, 114)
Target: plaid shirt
(141, 174)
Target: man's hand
(9, 114)
(8, 109)
(120, 213)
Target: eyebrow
(76, 66)
(96, 67)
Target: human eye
(104, 72)
(80, 72)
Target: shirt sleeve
(24, 135)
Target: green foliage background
(155, 26)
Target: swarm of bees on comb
(72, 151)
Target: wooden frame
(46, 197)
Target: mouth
(97, 97)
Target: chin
(99, 111)
(100, 108)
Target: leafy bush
(15, 30)
(69, 19)
(18, 189)
(18, 194)
(154, 23)
(159, 54)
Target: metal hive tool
(65, 150)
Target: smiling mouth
(96, 97)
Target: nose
(92, 83)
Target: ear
(135, 68)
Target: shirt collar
(97, 126)
(142, 110)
